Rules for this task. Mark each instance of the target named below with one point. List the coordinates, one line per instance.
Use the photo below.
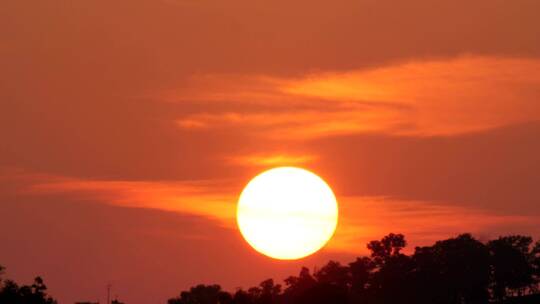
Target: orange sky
(128, 129)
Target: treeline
(453, 271)
(459, 270)
(12, 293)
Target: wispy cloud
(361, 218)
(367, 218)
(202, 198)
(276, 159)
(424, 98)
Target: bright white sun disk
(287, 213)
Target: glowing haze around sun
(287, 213)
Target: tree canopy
(12, 293)
(458, 270)
(453, 271)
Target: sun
(287, 213)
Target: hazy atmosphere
(128, 130)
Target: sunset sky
(128, 130)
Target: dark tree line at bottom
(12, 293)
(460, 270)
(453, 271)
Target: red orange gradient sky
(129, 128)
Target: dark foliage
(460, 270)
(454, 271)
(512, 265)
(12, 293)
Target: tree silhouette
(535, 262)
(12, 293)
(202, 294)
(332, 284)
(456, 270)
(266, 293)
(297, 286)
(360, 275)
(334, 273)
(390, 280)
(512, 265)
(453, 271)
(390, 246)
(460, 270)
